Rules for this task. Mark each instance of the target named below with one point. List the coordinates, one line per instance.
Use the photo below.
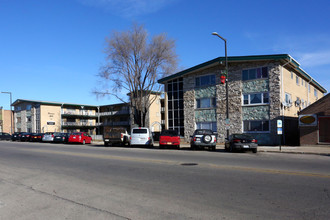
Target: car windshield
(242, 136)
(169, 133)
(204, 131)
(140, 131)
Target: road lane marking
(169, 162)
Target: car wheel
(192, 147)
(212, 148)
(178, 147)
(254, 150)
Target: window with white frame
(315, 93)
(288, 98)
(256, 73)
(207, 125)
(206, 103)
(256, 98)
(256, 126)
(205, 80)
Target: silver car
(203, 138)
(49, 136)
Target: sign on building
(308, 120)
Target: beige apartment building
(43, 116)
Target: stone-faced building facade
(261, 90)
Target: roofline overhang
(231, 59)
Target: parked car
(5, 136)
(241, 142)
(49, 136)
(203, 138)
(169, 138)
(36, 137)
(141, 136)
(80, 137)
(61, 138)
(115, 136)
(16, 136)
(25, 136)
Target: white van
(141, 136)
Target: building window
(256, 126)
(174, 89)
(17, 108)
(205, 80)
(206, 103)
(297, 80)
(315, 93)
(28, 107)
(309, 88)
(207, 125)
(257, 73)
(291, 75)
(302, 82)
(256, 98)
(288, 98)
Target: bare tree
(134, 64)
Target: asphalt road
(55, 181)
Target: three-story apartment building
(261, 90)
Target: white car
(141, 136)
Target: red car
(80, 137)
(169, 138)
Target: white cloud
(314, 59)
(128, 8)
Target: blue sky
(51, 50)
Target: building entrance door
(324, 129)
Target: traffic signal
(223, 79)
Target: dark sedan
(25, 136)
(36, 137)
(61, 138)
(5, 136)
(16, 136)
(241, 142)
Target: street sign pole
(280, 131)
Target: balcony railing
(115, 123)
(120, 112)
(82, 124)
(78, 113)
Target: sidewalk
(308, 149)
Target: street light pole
(226, 63)
(11, 113)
